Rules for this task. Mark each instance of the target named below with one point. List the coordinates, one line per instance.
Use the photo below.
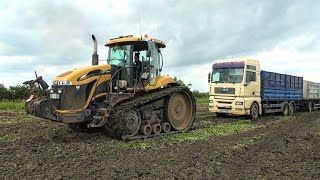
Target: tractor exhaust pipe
(95, 55)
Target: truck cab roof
(247, 60)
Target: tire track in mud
(285, 149)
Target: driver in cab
(138, 64)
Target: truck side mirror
(209, 77)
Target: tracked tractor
(127, 99)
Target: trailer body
(311, 95)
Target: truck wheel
(291, 109)
(310, 106)
(285, 111)
(254, 111)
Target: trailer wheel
(291, 109)
(285, 110)
(310, 106)
(254, 111)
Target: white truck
(240, 87)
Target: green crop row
(12, 105)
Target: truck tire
(285, 110)
(310, 106)
(254, 111)
(291, 108)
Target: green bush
(198, 94)
(13, 93)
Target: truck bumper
(232, 106)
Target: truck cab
(235, 87)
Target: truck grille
(220, 90)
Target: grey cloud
(57, 33)
(201, 31)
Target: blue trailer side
(280, 87)
(280, 92)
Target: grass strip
(12, 105)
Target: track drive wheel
(126, 123)
(180, 110)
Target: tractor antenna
(139, 23)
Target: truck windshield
(118, 55)
(227, 75)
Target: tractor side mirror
(209, 77)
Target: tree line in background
(21, 91)
(195, 93)
(13, 92)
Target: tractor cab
(130, 72)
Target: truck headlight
(59, 91)
(239, 103)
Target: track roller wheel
(125, 124)
(180, 110)
(165, 127)
(145, 129)
(156, 128)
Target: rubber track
(145, 99)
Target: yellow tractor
(128, 99)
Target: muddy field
(232, 148)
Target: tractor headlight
(59, 91)
(122, 84)
(56, 82)
(210, 101)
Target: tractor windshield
(119, 55)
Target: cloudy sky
(53, 36)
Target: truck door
(252, 83)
